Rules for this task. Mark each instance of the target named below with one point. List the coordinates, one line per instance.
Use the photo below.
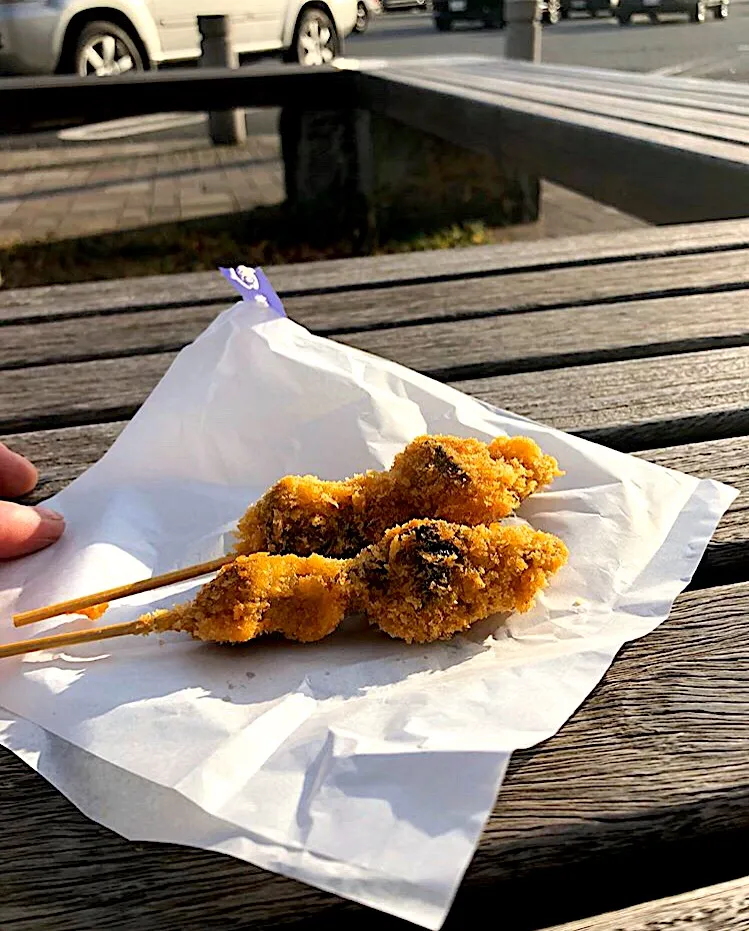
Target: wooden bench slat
(631, 404)
(724, 906)
(666, 778)
(654, 166)
(730, 125)
(378, 271)
(560, 338)
(687, 92)
(709, 305)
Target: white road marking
(131, 126)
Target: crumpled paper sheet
(361, 765)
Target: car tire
(316, 40)
(362, 17)
(553, 13)
(443, 23)
(625, 19)
(564, 13)
(654, 19)
(103, 49)
(721, 11)
(697, 14)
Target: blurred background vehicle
(81, 37)
(489, 12)
(391, 5)
(365, 10)
(591, 7)
(696, 10)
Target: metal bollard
(226, 127)
(523, 37)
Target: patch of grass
(264, 236)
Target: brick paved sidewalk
(61, 191)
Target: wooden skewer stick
(76, 636)
(112, 594)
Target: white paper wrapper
(362, 765)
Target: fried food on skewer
(439, 477)
(429, 579)
(423, 581)
(300, 597)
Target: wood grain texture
(724, 907)
(664, 781)
(377, 271)
(575, 148)
(629, 405)
(493, 342)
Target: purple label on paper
(254, 287)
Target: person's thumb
(25, 529)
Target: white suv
(88, 38)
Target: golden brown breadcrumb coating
(299, 597)
(95, 611)
(430, 579)
(423, 581)
(441, 477)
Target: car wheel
(103, 49)
(624, 18)
(721, 11)
(552, 14)
(443, 23)
(316, 40)
(564, 13)
(362, 18)
(698, 12)
(653, 17)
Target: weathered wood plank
(61, 455)
(517, 342)
(665, 781)
(635, 404)
(729, 123)
(35, 104)
(377, 271)
(724, 907)
(630, 405)
(576, 149)
(494, 342)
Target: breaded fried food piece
(456, 479)
(299, 597)
(437, 477)
(301, 514)
(428, 580)
(423, 581)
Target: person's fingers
(24, 529)
(17, 474)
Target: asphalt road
(599, 42)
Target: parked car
(696, 10)
(591, 7)
(390, 5)
(365, 10)
(489, 12)
(84, 37)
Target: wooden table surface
(639, 340)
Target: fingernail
(48, 513)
